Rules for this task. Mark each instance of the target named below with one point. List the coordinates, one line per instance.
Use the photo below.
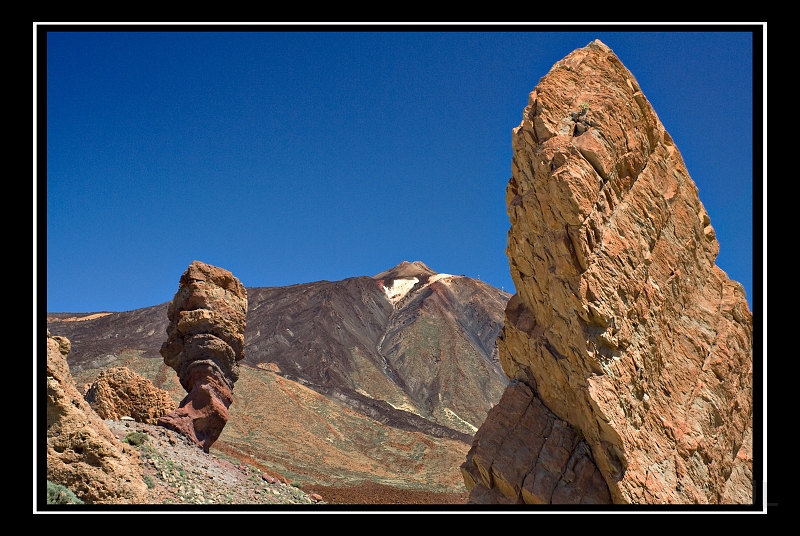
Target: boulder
(119, 392)
(205, 342)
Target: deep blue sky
(290, 157)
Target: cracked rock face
(204, 345)
(545, 460)
(82, 453)
(622, 326)
(119, 392)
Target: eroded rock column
(204, 345)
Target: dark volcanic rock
(422, 342)
(310, 330)
(205, 342)
(99, 338)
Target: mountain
(422, 342)
(409, 350)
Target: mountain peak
(398, 281)
(406, 270)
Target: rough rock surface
(204, 345)
(178, 473)
(544, 460)
(119, 392)
(622, 325)
(82, 453)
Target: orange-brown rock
(622, 325)
(119, 392)
(542, 460)
(204, 345)
(82, 453)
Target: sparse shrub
(136, 438)
(58, 494)
(149, 481)
(583, 106)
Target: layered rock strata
(82, 453)
(622, 325)
(119, 392)
(205, 342)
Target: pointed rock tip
(597, 44)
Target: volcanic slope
(422, 342)
(408, 348)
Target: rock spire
(204, 345)
(622, 325)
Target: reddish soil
(374, 493)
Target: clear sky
(288, 157)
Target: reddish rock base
(203, 413)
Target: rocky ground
(179, 473)
(372, 493)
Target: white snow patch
(399, 288)
(437, 277)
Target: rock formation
(545, 460)
(119, 392)
(82, 453)
(205, 342)
(622, 326)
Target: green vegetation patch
(58, 494)
(136, 439)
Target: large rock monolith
(204, 345)
(622, 326)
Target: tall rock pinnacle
(622, 329)
(204, 345)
